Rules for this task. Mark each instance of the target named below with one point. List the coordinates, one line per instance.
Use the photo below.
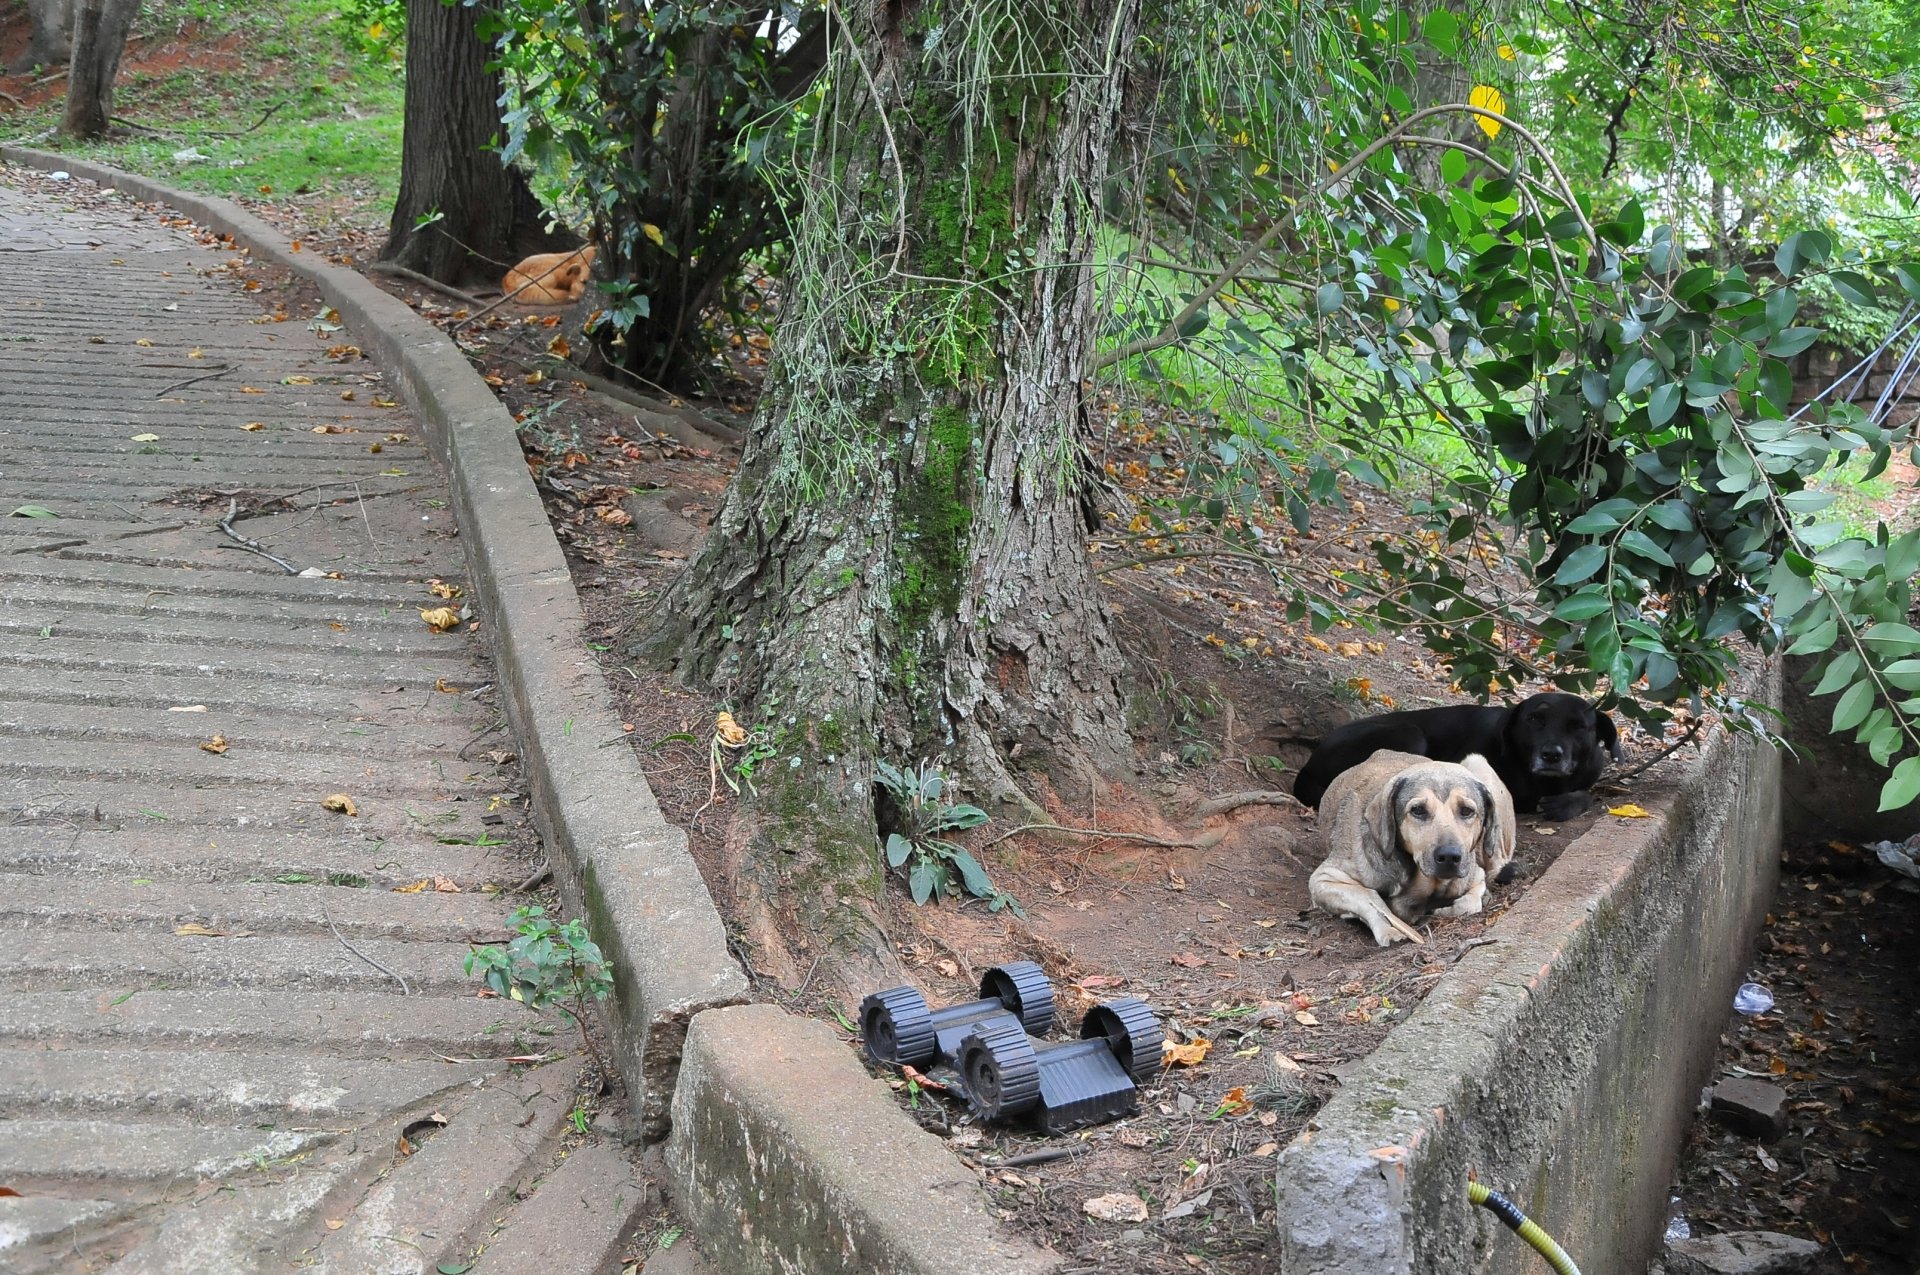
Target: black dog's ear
(1604, 729)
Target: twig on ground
(1047, 1156)
(1252, 797)
(251, 128)
(1469, 945)
(1693, 732)
(404, 989)
(181, 385)
(537, 879)
(1104, 832)
(252, 546)
(696, 421)
(425, 281)
(18, 105)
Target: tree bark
(49, 43)
(99, 37)
(899, 568)
(461, 215)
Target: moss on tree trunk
(899, 568)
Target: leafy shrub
(914, 815)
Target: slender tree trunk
(899, 568)
(99, 37)
(49, 43)
(461, 214)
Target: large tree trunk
(461, 214)
(899, 568)
(99, 36)
(49, 43)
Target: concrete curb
(617, 860)
(786, 1156)
(1560, 1064)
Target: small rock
(1118, 1207)
(1751, 1107)
(1742, 1253)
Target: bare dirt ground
(1838, 953)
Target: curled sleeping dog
(1548, 749)
(1406, 834)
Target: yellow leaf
(652, 232)
(730, 732)
(196, 353)
(191, 930)
(1506, 52)
(441, 619)
(340, 804)
(296, 380)
(377, 31)
(415, 888)
(1191, 1054)
(1234, 1102)
(143, 342)
(441, 589)
(1488, 98)
(1391, 304)
(254, 427)
(216, 745)
(1630, 811)
(146, 438)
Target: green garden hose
(1517, 1222)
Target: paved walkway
(207, 1057)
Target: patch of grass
(1859, 502)
(207, 67)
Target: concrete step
(577, 1219)
(160, 852)
(222, 1086)
(41, 1230)
(265, 670)
(264, 610)
(327, 1023)
(303, 636)
(429, 916)
(439, 1202)
(261, 729)
(121, 580)
(37, 1152)
(183, 763)
(220, 809)
(44, 959)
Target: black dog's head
(1559, 736)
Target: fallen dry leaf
(441, 619)
(196, 353)
(1286, 1063)
(731, 733)
(440, 684)
(340, 804)
(1188, 960)
(1234, 1102)
(328, 429)
(1132, 1136)
(441, 589)
(558, 347)
(1191, 1054)
(1117, 1207)
(415, 888)
(254, 427)
(146, 438)
(191, 930)
(1306, 1019)
(188, 708)
(1103, 980)
(445, 885)
(1630, 811)
(216, 745)
(296, 380)
(335, 1223)
(144, 343)
(1266, 1148)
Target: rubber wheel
(898, 1028)
(1000, 1071)
(1025, 990)
(1131, 1031)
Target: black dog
(1546, 749)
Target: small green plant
(547, 964)
(914, 816)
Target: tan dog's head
(1446, 817)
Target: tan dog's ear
(1381, 821)
(1499, 829)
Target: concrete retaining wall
(1560, 1064)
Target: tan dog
(550, 278)
(1405, 834)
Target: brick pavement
(220, 1012)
